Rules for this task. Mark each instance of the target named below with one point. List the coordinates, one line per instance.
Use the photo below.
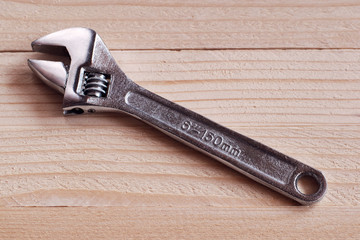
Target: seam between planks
(200, 49)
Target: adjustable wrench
(93, 82)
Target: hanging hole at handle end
(307, 184)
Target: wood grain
(303, 103)
(187, 24)
(180, 223)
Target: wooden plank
(188, 24)
(180, 223)
(303, 103)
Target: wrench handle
(249, 157)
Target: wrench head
(92, 70)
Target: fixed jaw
(75, 42)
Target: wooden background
(286, 73)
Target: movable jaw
(54, 74)
(86, 81)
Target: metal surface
(94, 82)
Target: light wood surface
(180, 223)
(180, 24)
(111, 176)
